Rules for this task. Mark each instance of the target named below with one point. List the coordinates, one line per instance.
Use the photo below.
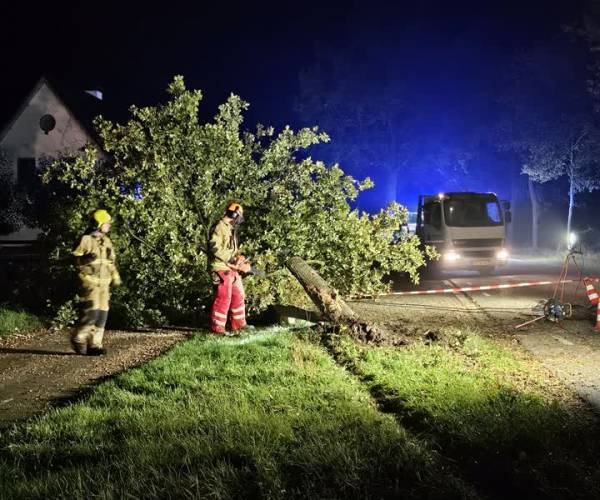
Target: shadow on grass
(505, 441)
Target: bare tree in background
(567, 149)
(549, 126)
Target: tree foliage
(569, 150)
(166, 178)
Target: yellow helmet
(101, 217)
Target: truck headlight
(451, 255)
(502, 254)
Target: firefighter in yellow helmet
(95, 262)
(227, 266)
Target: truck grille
(490, 242)
(482, 254)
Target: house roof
(82, 105)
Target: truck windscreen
(472, 211)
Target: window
(427, 213)
(493, 213)
(432, 214)
(26, 173)
(472, 210)
(436, 216)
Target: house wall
(25, 138)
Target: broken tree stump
(331, 305)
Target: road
(571, 349)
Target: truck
(467, 229)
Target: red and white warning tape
(472, 288)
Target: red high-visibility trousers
(229, 302)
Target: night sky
(258, 49)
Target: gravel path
(39, 370)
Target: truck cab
(467, 229)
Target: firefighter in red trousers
(227, 266)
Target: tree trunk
(331, 304)
(534, 214)
(325, 297)
(514, 186)
(571, 205)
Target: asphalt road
(570, 349)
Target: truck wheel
(487, 271)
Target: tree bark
(571, 205)
(534, 214)
(331, 304)
(325, 297)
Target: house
(48, 123)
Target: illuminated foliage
(166, 178)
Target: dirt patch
(396, 334)
(40, 370)
(396, 322)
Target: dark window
(472, 210)
(436, 216)
(427, 212)
(432, 214)
(26, 173)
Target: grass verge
(484, 408)
(17, 321)
(268, 416)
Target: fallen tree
(330, 303)
(165, 177)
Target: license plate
(483, 262)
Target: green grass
(268, 416)
(17, 321)
(275, 416)
(486, 410)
